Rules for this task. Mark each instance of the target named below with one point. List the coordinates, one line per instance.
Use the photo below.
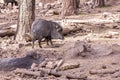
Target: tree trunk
(47, 1)
(101, 3)
(98, 3)
(25, 18)
(69, 7)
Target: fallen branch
(7, 32)
(104, 71)
(90, 21)
(50, 72)
(58, 74)
(7, 29)
(24, 71)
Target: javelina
(45, 29)
(6, 2)
(9, 64)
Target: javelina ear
(56, 35)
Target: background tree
(101, 3)
(47, 1)
(98, 3)
(25, 18)
(69, 7)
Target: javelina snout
(45, 29)
(33, 56)
(57, 32)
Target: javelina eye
(57, 27)
(36, 57)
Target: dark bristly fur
(45, 29)
(9, 64)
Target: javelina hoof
(40, 46)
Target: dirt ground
(99, 62)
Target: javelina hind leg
(48, 39)
(12, 3)
(16, 3)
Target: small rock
(21, 45)
(33, 65)
(115, 27)
(113, 33)
(101, 49)
(41, 5)
(116, 48)
(114, 63)
(116, 74)
(69, 65)
(50, 65)
(27, 44)
(107, 36)
(104, 67)
(74, 50)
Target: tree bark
(98, 3)
(25, 18)
(47, 1)
(69, 7)
(101, 3)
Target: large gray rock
(101, 49)
(74, 49)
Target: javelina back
(9, 64)
(11, 1)
(45, 29)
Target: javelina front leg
(12, 3)
(33, 43)
(51, 42)
(39, 41)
